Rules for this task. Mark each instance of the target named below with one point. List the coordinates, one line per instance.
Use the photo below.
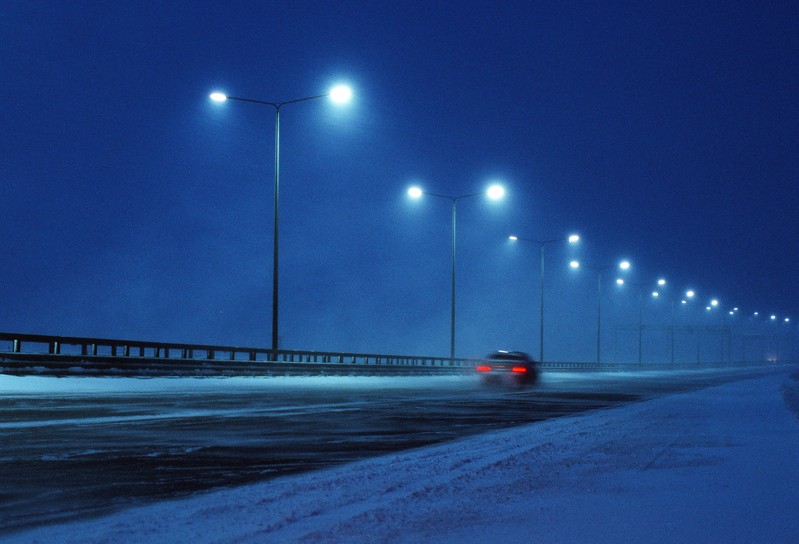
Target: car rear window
(507, 357)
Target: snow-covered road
(716, 465)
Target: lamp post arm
(277, 105)
(541, 242)
(453, 198)
(302, 99)
(273, 104)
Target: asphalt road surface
(77, 447)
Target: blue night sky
(135, 207)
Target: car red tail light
(519, 369)
(483, 368)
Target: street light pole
(452, 305)
(623, 265)
(495, 192)
(541, 317)
(640, 317)
(542, 244)
(338, 94)
(689, 294)
(640, 325)
(598, 317)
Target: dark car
(508, 366)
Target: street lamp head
(340, 94)
(513, 237)
(714, 302)
(773, 317)
(624, 265)
(574, 238)
(218, 97)
(415, 192)
(619, 281)
(661, 282)
(574, 264)
(690, 293)
(655, 294)
(495, 192)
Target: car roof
(514, 355)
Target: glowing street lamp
(339, 94)
(572, 239)
(493, 192)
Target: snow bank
(717, 465)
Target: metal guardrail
(15, 346)
(66, 355)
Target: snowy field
(716, 465)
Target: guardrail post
(55, 349)
(16, 346)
